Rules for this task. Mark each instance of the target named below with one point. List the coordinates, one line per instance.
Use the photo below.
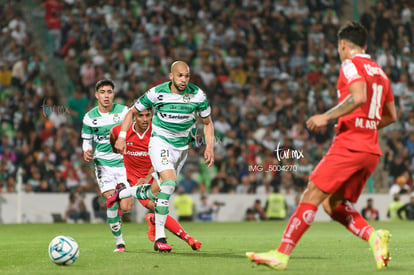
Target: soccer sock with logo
(162, 203)
(352, 220)
(142, 192)
(298, 224)
(172, 225)
(114, 223)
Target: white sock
(160, 226)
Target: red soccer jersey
(358, 130)
(137, 160)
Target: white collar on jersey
(363, 55)
(141, 136)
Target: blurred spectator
(76, 209)
(206, 210)
(369, 212)
(256, 212)
(394, 207)
(407, 209)
(276, 206)
(77, 105)
(19, 73)
(184, 205)
(402, 185)
(188, 183)
(99, 206)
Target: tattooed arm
(357, 96)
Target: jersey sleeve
(146, 101)
(350, 72)
(124, 112)
(203, 108)
(87, 132)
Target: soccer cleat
(120, 248)
(115, 197)
(161, 245)
(272, 259)
(195, 244)
(151, 226)
(379, 242)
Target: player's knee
(155, 189)
(127, 204)
(108, 194)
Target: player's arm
(389, 115)
(147, 179)
(113, 136)
(120, 144)
(209, 136)
(87, 140)
(144, 102)
(357, 96)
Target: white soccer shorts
(109, 177)
(164, 156)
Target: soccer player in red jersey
(366, 104)
(139, 171)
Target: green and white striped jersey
(174, 114)
(97, 126)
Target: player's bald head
(179, 66)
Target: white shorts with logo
(164, 156)
(109, 177)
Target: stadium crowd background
(265, 66)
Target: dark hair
(353, 32)
(104, 82)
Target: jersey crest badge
(117, 118)
(164, 161)
(186, 98)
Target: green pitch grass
(327, 248)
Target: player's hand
(120, 145)
(316, 122)
(141, 181)
(87, 155)
(209, 157)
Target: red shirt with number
(354, 153)
(137, 160)
(357, 130)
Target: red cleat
(151, 226)
(195, 244)
(161, 245)
(120, 248)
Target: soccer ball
(63, 250)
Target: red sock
(172, 225)
(352, 220)
(298, 224)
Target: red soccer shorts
(344, 172)
(144, 202)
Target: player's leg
(171, 224)
(341, 211)
(162, 203)
(298, 224)
(344, 213)
(163, 158)
(107, 185)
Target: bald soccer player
(177, 104)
